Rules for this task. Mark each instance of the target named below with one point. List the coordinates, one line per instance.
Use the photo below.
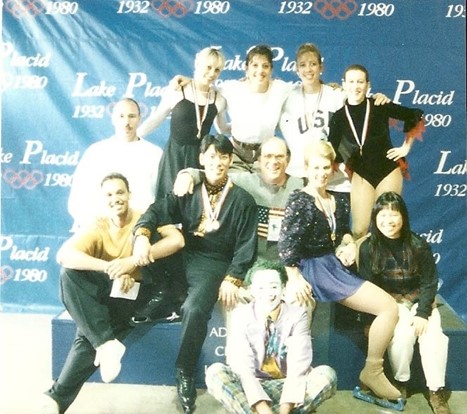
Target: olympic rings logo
(176, 8)
(24, 8)
(23, 179)
(6, 273)
(342, 9)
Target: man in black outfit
(219, 223)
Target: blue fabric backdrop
(66, 62)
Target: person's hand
(178, 82)
(298, 289)
(420, 325)
(183, 184)
(142, 251)
(119, 267)
(334, 85)
(380, 99)
(228, 294)
(127, 282)
(398, 152)
(347, 254)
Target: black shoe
(159, 308)
(186, 391)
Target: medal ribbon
(361, 141)
(199, 120)
(212, 214)
(330, 217)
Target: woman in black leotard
(359, 132)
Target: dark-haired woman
(401, 263)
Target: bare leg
(370, 298)
(362, 198)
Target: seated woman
(316, 247)
(270, 366)
(401, 263)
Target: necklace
(330, 216)
(309, 123)
(200, 114)
(212, 204)
(360, 141)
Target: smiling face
(319, 170)
(266, 288)
(116, 197)
(389, 222)
(207, 69)
(356, 85)
(125, 119)
(216, 165)
(273, 161)
(259, 72)
(309, 68)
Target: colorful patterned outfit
(246, 380)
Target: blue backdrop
(66, 62)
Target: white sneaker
(108, 357)
(47, 405)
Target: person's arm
(156, 118)
(246, 241)
(380, 98)
(71, 255)
(178, 82)
(158, 214)
(413, 127)
(346, 252)
(171, 241)
(428, 279)
(291, 238)
(186, 180)
(80, 251)
(299, 359)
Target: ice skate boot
(375, 388)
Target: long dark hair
(392, 201)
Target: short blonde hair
(209, 52)
(322, 149)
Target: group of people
(260, 223)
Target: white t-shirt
(138, 161)
(299, 129)
(254, 116)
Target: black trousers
(99, 318)
(204, 276)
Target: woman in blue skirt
(316, 247)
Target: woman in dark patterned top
(359, 133)
(315, 245)
(401, 263)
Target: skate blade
(398, 404)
